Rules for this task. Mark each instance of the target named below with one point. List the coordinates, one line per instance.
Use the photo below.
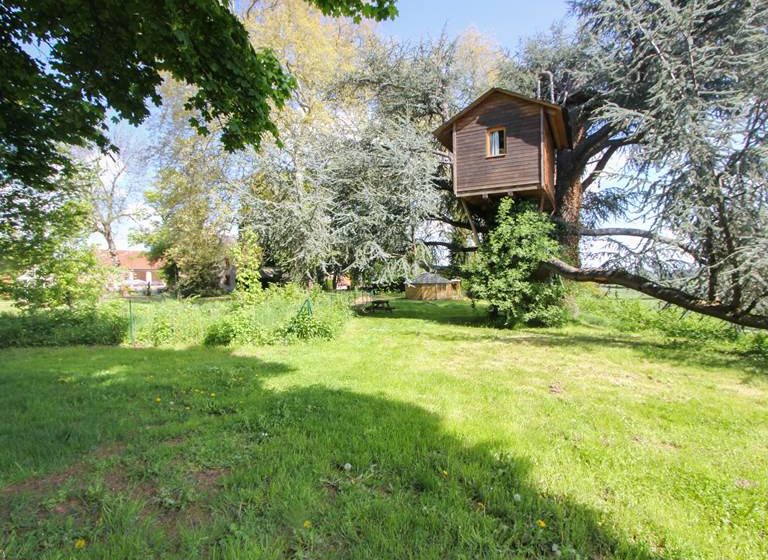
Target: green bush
(103, 324)
(305, 326)
(171, 321)
(505, 270)
(755, 344)
(281, 315)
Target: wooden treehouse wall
(476, 173)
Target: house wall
(142, 274)
(548, 159)
(433, 291)
(521, 166)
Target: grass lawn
(415, 434)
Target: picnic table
(379, 304)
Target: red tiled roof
(133, 260)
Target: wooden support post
(475, 237)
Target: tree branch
(448, 245)
(633, 232)
(600, 166)
(658, 291)
(452, 222)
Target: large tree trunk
(568, 195)
(111, 246)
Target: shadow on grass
(444, 312)
(673, 351)
(185, 454)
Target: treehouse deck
(505, 143)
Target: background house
(138, 270)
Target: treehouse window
(496, 142)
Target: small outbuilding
(430, 286)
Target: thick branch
(448, 245)
(592, 144)
(633, 232)
(604, 159)
(453, 223)
(656, 290)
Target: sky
(507, 21)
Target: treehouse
(505, 143)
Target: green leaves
(64, 65)
(505, 270)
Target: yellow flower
(79, 543)
(213, 394)
(541, 523)
(445, 474)
(157, 399)
(307, 524)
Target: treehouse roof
(556, 116)
(429, 278)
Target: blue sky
(506, 21)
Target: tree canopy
(67, 66)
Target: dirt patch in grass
(41, 484)
(208, 479)
(108, 450)
(174, 441)
(556, 388)
(663, 445)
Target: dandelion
(445, 474)
(307, 524)
(80, 543)
(541, 523)
(213, 394)
(158, 399)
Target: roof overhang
(556, 116)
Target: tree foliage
(682, 86)
(505, 271)
(65, 64)
(48, 260)
(247, 257)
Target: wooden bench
(379, 305)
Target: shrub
(755, 344)
(281, 315)
(103, 324)
(505, 270)
(304, 326)
(175, 321)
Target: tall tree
(679, 88)
(676, 89)
(116, 186)
(191, 201)
(65, 67)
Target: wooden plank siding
(547, 160)
(475, 172)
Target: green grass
(459, 439)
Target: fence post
(130, 321)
